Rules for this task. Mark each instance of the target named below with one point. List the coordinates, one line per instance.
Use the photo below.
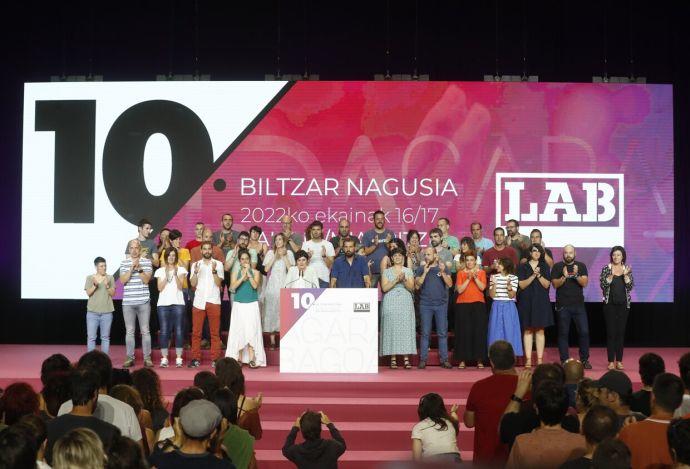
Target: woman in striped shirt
(504, 323)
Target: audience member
(124, 453)
(678, 435)
(550, 445)
(129, 395)
(611, 454)
(199, 421)
(315, 452)
(434, 437)
(54, 393)
(650, 365)
(230, 375)
(170, 437)
(207, 382)
(37, 429)
(574, 373)
(586, 397)
(237, 442)
(485, 404)
(615, 391)
(684, 371)
(599, 424)
(79, 448)
(56, 363)
(17, 449)
(647, 439)
(19, 399)
(85, 394)
(148, 383)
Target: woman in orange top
(471, 318)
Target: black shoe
(586, 365)
(421, 365)
(446, 364)
(194, 364)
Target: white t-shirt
(113, 411)
(206, 289)
(434, 440)
(317, 261)
(684, 408)
(171, 294)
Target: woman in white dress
(276, 263)
(301, 275)
(245, 338)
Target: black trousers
(471, 329)
(616, 317)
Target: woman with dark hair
(397, 311)
(301, 275)
(170, 280)
(616, 281)
(466, 246)
(534, 304)
(470, 312)
(148, 383)
(276, 263)
(230, 375)
(129, 395)
(435, 436)
(19, 399)
(393, 244)
(504, 323)
(245, 339)
(415, 256)
(237, 443)
(125, 453)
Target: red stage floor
(375, 412)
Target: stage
(375, 412)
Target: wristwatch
(514, 398)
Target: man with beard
(207, 275)
(535, 238)
(320, 252)
(232, 263)
(375, 243)
(293, 241)
(569, 278)
(516, 240)
(350, 270)
(433, 281)
(338, 241)
(226, 237)
(444, 254)
(499, 251)
(217, 253)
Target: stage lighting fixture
(511, 78)
(186, 77)
(400, 77)
(292, 77)
(638, 80)
(56, 78)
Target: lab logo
(361, 307)
(586, 210)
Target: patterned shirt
(135, 292)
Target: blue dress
(504, 323)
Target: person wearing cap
(199, 420)
(647, 439)
(315, 452)
(615, 391)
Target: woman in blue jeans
(170, 279)
(100, 288)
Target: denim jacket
(606, 286)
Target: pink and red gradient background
(466, 131)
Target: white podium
(329, 330)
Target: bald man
(569, 278)
(294, 240)
(344, 233)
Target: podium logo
(586, 210)
(361, 307)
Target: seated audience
(586, 398)
(55, 365)
(678, 435)
(435, 436)
(615, 391)
(199, 422)
(129, 395)
(520, 416)
(55, 391)
(315, 452)
(37, 429)
(684, 371)
(574, 373)
(85, 388)
(124, 453)
(647, 439)
(207, 382)
(108, 408)
(550, 445)
(230, 375)
(18, 400)
(650, 365)
(79, 448)
(599, 424)
(170, 437)
(237, 443)
(148, 383)
(486, 402)
(611, 454)
(17, 449)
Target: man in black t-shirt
(569, 278)
(84, 385)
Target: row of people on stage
(496, 290)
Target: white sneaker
(178, 362)
(164, 362)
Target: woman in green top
(245, 338)
(100, 288)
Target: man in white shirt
(321, 253)
(108, 408)
(207, 275)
